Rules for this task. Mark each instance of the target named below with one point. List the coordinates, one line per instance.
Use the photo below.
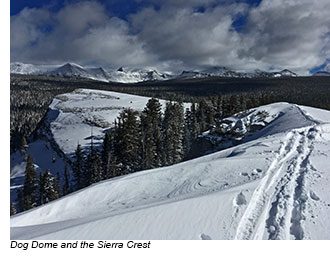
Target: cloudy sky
(172, 35)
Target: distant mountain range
(125, 75)
(72, 70)
(227, 73)
(324, 72)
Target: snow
(84, 112)
(73, 70)
(274, 186)
(71, 119)
(228, 73)
(23, 68)
(129, 75)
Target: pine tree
(93, 168)
(57, 184)
(66, 187)
(201, 115)
(206, 114)
(24, 147)
(20, 200)
(28, 202)
(30, 185)
(41, 189)
(109, 160)
(127, 142)
(173, 129)
(187, 140)
(218, 116)
(78, 168)
(12, 209)
(151, 122)
(50, 189)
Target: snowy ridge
(125, 75)
(227, 73)
(273, 187)
(72, 70)
(30, 69)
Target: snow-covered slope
(71, 70)
(71, 119)
(276, 186)
(74, 116)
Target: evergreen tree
(66, 187)
(78, 168)
(12, 209)
(193, 123)
(234, 104)
(201, 115)
(109, 161)
(28, 202)
(30, 185)
(173, 129)
(57, 184)
(24, 147)
(218, 115)
(151, 122)
(127, 142)
(41, 189)
(20, 200)
(242, 103)
(187, 140)
(50, 189)
(93, 168)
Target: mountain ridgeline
(127, 75)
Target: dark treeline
(138, 141)
(30, 96)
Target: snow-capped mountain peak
(285, 73)
(128, 75)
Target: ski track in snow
(276, 208)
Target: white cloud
(288, 33)
(293, 34)
(26, 28)
(81, 32)
(195, 38)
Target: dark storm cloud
(170, 34)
